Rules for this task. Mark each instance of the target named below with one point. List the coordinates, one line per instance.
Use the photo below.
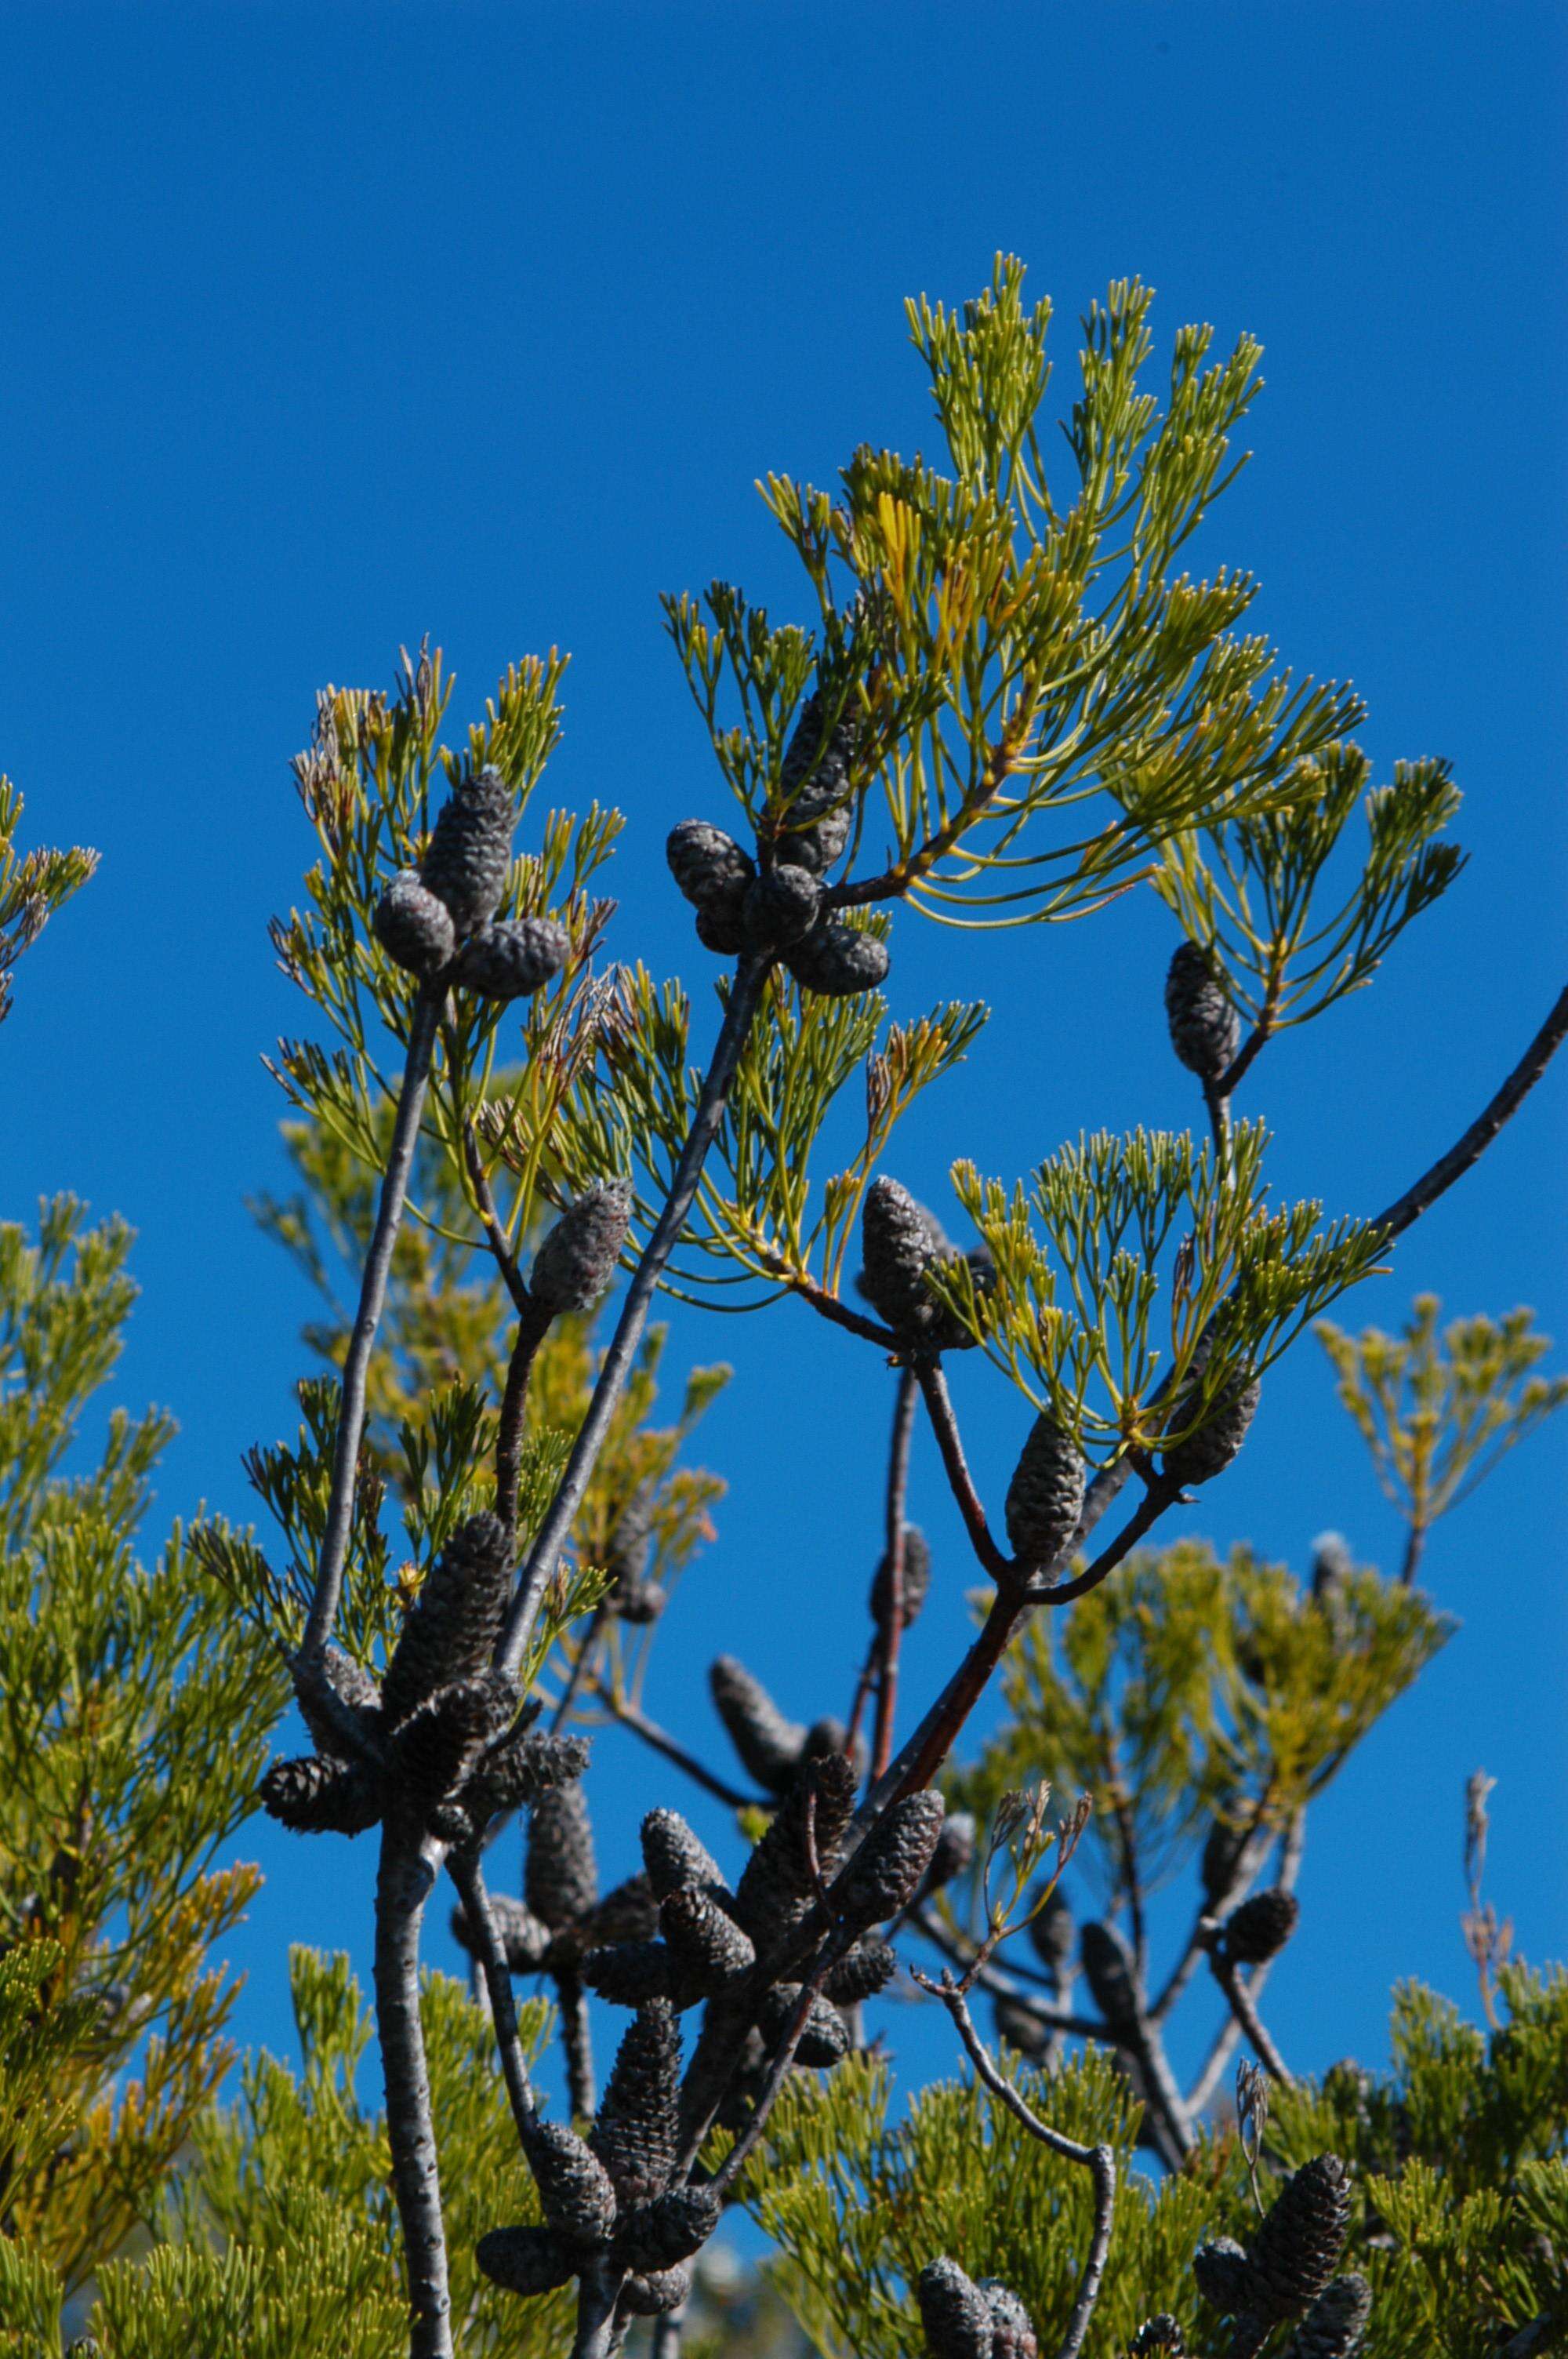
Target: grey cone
(636, 2135)
(1259, 1929)
(1205, 1027)
(814, 814)
(1333, 2326)
(318, 1797)
(779, 908)
(1297, 2246)
(771, 1747)
(836, 961)
(470, 849)
(451, 1630)
(574, 1267)
(954, 2311)
(559, 1878)
(414, 927)
(887, 1869)
(512, 958)
(1045, 1496)
(1218, 1442)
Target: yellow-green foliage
(133, 1714)
(32, 886)
(1186, 1683)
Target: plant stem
(373, 1297)
(1240, 2003)
(466, 1873)
(892, 1634)
(1413, 1547)
(631, 1716)
(577, 2039)
(745, 997)
(532, 1324)
(404, 1879)
(740, 2153)
(945, 1426)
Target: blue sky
(329, 327)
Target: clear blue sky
(330, 326)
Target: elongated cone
(440, 1743)
(1259, 1929)
(861, 1972)
(654, 2292)
(955, 1852)
(1221, 1863)
(316, 1797)
(1205, 1027)
(528, 2260)
(708, 1948)
(1111, 1975)
(414, 927)
(574, 1267)
(1054, 1937)
(512, 958)
(559, 1878)
(355, 1688)
(1218, 1442)
(779, 907)
(1014, 2336)
(636, 2136)
(1298, 2244)
(814, 808)
(954, 2311)
(1224, 2276)
(629, 1974)
(900, 1239)
(523, 1939)
(449, 1631)
(776, 1889)
(1333, 2326)
(574, 2186)
(659, 2234)
(527, 1765)
(836, 961)
(628, 1912)
(470, 850)
(824, 2038)
(914, 1582)
(713, 872)
(771, 1747)
(673, 1855)
(887, 1869)
(1018, 2026)
(1045, 1496)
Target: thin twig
(464, 1869)
(892, 1632)
(1229, 2032)
(829, 1306)
(577, 2039)
(578, 1671)
(1241, 2003)
(745, 997)
(532, 1324)
(1413, 1547)
(367, 1318)
(1002, 1984)
(740, 2153)
(629, 1715)
(484, 1202)
(1098, 2161)
(945, 1426)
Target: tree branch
(945, 1426)
(577, 2039)
(631, 1716)
(532, 1325)
(404, 1879)
(464, 1869)
(892, 1634)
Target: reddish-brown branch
(945, 1426)
(890, 1635)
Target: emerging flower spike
(470, 850)
(887, 1869)
(1111, 1973)
(1045, 1496)
(954, 2311)
(836, 961)
(559, 1878)
(780, 906)
(1333, 2326)
(636, 2136)
(657, 2235)
(1013, 2336)
(316, 1797)
(1209, 1450)
(1261, 1927)
(451, 1630)
(574, 1267)
(529, 2260)
(512, 958)
(574, 2186)
(815, 809)
(1297, 2247)
(770, 1747)
(914, 1585)
(413, 927)
(1205, 1027)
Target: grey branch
(402, 1884)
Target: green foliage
(33, 885)
(1186, 1684)
(133, 1718)
(1440, 1412)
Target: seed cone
(1259, 1929)
(628, 1912)
(527, 1765)
(914, 1582)
(1299, 2243)
(780, 906)
(673, 1855)
(1221, 1861)
(512, 958)
(440, 1743)
(1333, 2326)
(630, 1553)
(823, 2040)
(719, 931)
(1012, 2336)
(523, 1939)
(1045, 1496)
(1160, 2333)
(1209, 1450)
(318, 1797)
(776, 1889)
(451, 1630)
(629, 1974)
(770, 1747)
(636, 2137)
(887, 1869)
(574, 1267)
(654, 2291)
(528, 2260)
(353, 1687)
(861, 1972)
(559, 1878)
(657, 2235)
(1205, 1028)
(1054, 1937)
(901, 1239)
(713, 872)
(1111, 1975)
(708, 1948)
(1224, 2276)
(815, 811)
(955, 1852)
(954, 2311)
(413, 927)
(470, 850)
(574, 2186)
(836, 961)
